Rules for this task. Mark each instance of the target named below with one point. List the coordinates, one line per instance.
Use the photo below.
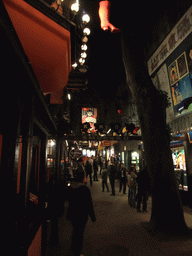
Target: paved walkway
(119, 230)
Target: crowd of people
(80, 201)
(129, 179)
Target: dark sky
(105, 65)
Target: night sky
(105, 65)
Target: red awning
(46, 44)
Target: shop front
(181, 149)
(179, 163)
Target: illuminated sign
(89, 115)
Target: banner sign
(182, 29)
(92, 137)
(89, 115)
(76, 153)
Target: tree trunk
(167, 212)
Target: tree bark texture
(167, 212)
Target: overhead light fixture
(52, 143)
(85, 39)
(85, 18)
(84, 47)
(74, 65)
(81, 60)
(83, 55)
(109, 131)
(69, 96)
(86, 31)
(75, 8)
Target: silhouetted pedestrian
(88, 171)
(132, 188)
(122, 178)
(143, 181)
(80, 207)
(104, 180)
(112, 177)
(95, 169)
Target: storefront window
(123, 157)
(179, 162)
(134, 158)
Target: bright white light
(74, 65)
(86, 31)
(109, 131)
(81, 60)
(84, 47)
(83, 55)
(52, 143)
(75, 7)
(69, 96)
(86, 18)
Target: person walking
(95, 168)
(143, 182)
(80, 207)
(104, 180)
(123, 178)
(132, 188)
(112, 177)
(88, 171)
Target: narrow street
(119, 230)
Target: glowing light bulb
(83, 55)
(86, 31)
(86, 18)
(75, 7)
(84, 47)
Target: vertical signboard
(89, 115)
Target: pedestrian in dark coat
(80, 207)
(123, 179)
(132, 188)
(104, 180)
(143, 182)
(88, 171)
(95, 168)
(112, 177)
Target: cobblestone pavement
(119, 230)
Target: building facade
(170, 68)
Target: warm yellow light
(74, 65)
(75, 7)
(86, 18)
(84, 39)
(69, 96)
(81, 60)
(83, 55)
(84, 47)
(86, 31)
